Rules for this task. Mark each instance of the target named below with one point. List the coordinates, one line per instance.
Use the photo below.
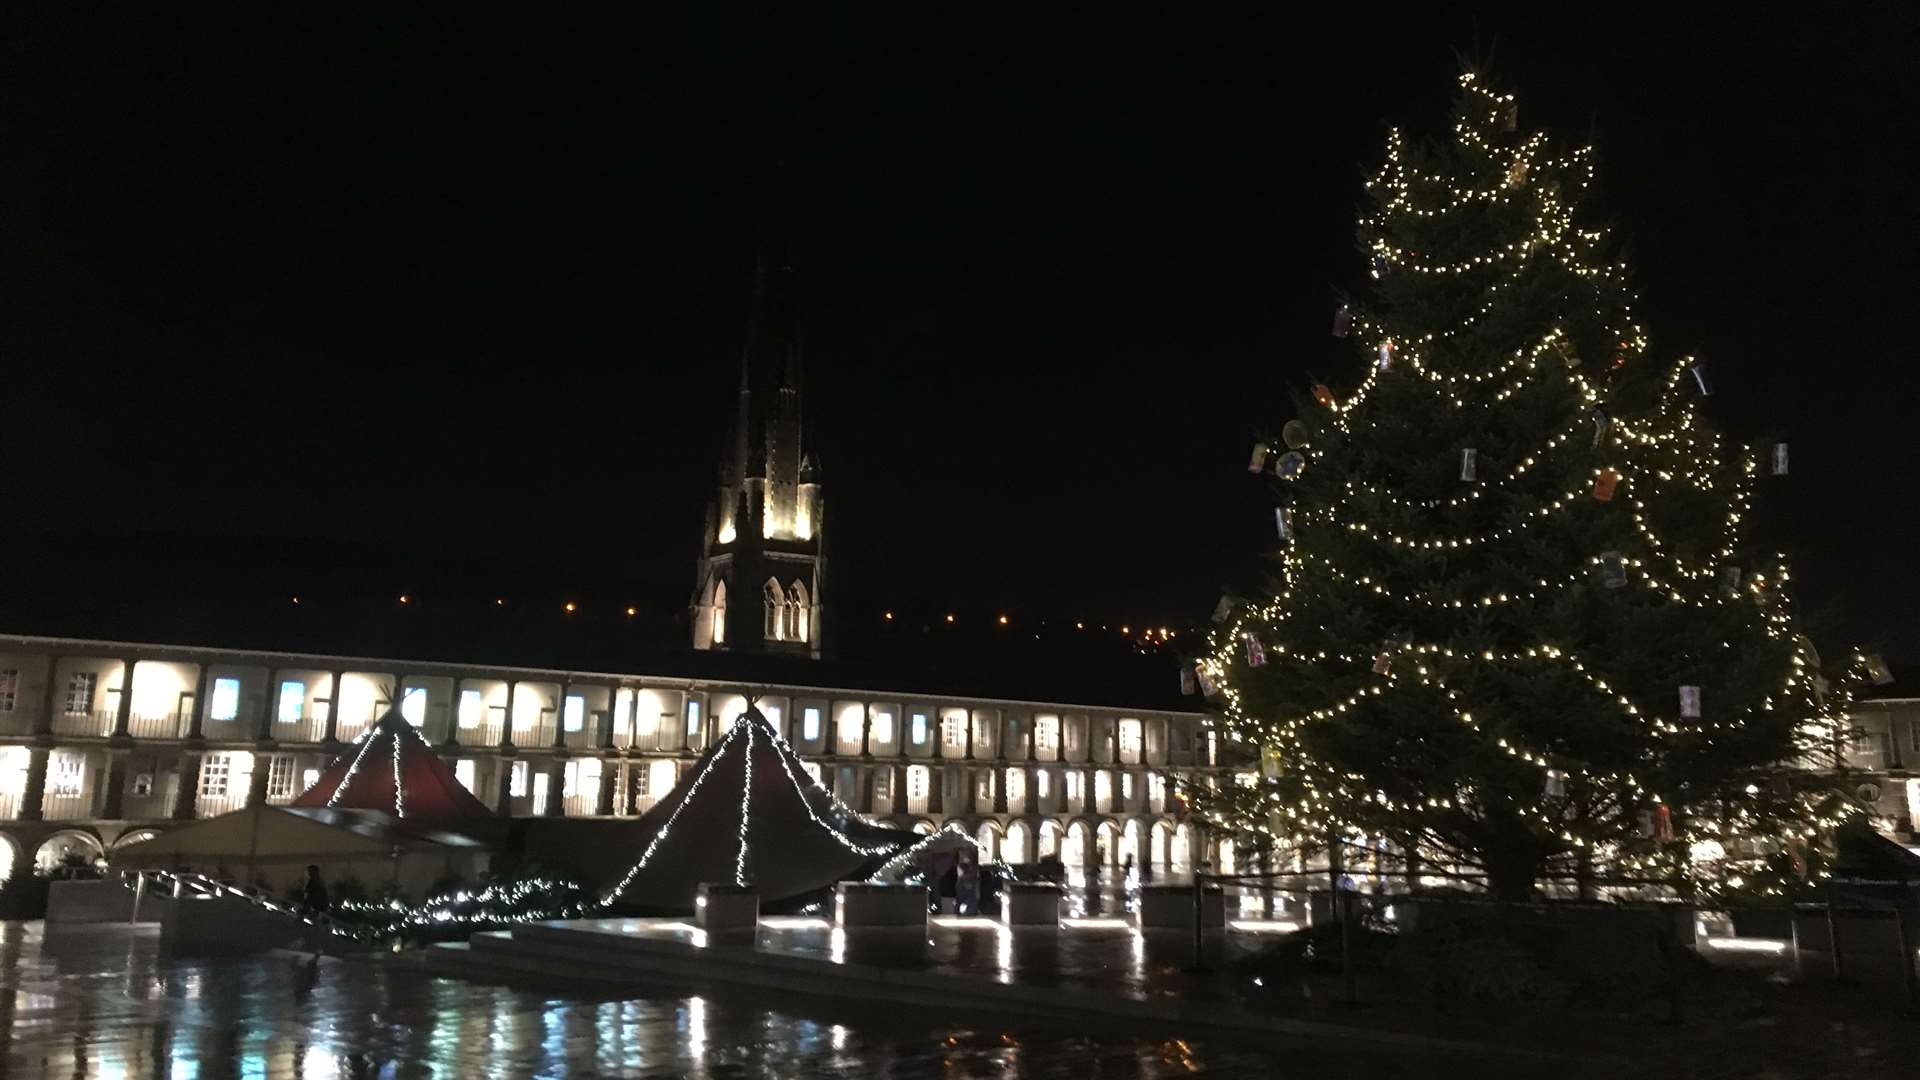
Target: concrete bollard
(726, 909)
(857, 905)
(1026, 903)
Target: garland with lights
(1515, 628)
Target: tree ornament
(1223, 610)
(1386, 354)
(1383, 663)
(1613, 569)
(1877, 669)
(1730, 579)
(1556, 785)
(1322, 395)
(1283, 522)
(1600, 425)
(1699, 372)
(1259, 461)
(1256, 653)
(1689, 703)
(1380, 265)
(1187, 686)
(1294, 434)
(1517, 174)
(1207, 686)
(1469, 459)
(1342, 322)
(1290, 464)
(1779, 459)
(1604, 482)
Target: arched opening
(989, 840)
(1226, 856)
(799, 612)
(1015, 848)
(1049, 839)
(719, 611)
(1107, 845)
(923, 827)
(1129, 849)
(1180, 849)
(1074, 851)
(67, 851)
(134, 836)
(9, 858)
(1160, 842)
(774, 599)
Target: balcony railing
(97, 722)
(163, 726)
(59, 806)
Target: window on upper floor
(693, 719)
(517, 780)
(214, 771)
(1130, 736)
(719, 611)
(573, 714)
(293, 702)
(810, 723)
(280, 776)
(69, 774)
(9, 688)
(953, 731)
(882, 787)
(1046, 733)
(472, 707)
(799, 613)
(919, 730)
(1913, 735)
(1126, 787)
(226, 700)
(1040, 784)
(142, 785)
(413, 706)
(882, 726)
(917, 782)
(1074, 785)
(81, 686)
(774, 600)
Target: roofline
(690, 681)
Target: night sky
(472, 293)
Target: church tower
(762, 568)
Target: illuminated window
(799, 613)
(413, 706)
(1130, 737)
(280, 776)
(573, 714)
(1126, 787)
(693, 719)
(622, 710)
(983, 787)
(9, 688)
(471, 706)
(517, 780)
(69, 772)
(882, 786)
(308, 778)
(953, 731)
(1156, 787)
(463, 772)
(226, 700)
(919, 730)
(917, 782)
(1074, 786)
(720, 606)
(1040, 783)
(882, 727)
(810, 724)
(772, 713)
(1017, 784)
(80, 688)
(637, 778)
(775, 601)
(663, 777)
(1046, 733)
(213, 776)
(293, 702)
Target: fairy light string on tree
(1481, 504)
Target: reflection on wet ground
(101, 1001)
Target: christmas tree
(1514, 628)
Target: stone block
(1170, 907)
(96, 901)
(1027, 903)
(864, 905)
(723, 908)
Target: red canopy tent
(390, 768)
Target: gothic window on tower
(799, 612)
(719, 612)
(776, 612)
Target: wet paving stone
(103, 1001)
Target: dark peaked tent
(390, 768)
(748, 813)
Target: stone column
(195, 721)
(123, 716)
(613, 709)
(1113, 739)
(557, 785)
(898, 787)
(331, 735)
(937, 788)
(609, 774)
(187, 793)
(49, 700)
(866, 730)
(503, 786)
(269, 701)
(453, 715)
(257, 781)
(114, 790)
(969, 753)
(560, 716)
(506, 724)
(34, 795)
(1000, 787)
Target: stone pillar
(187, 793)
(1000, 788)
(969, 753)
(1033, 726)
(49, 700)
(556, 785)
(123, 716)
(613, 709)
(114, 790)
(453, 715)
(503, 787)
(330, 734)
(33, 796)
(937, 788)
(609, 774)
(257, 782)
(195, 721)
(560, 716)
(1113, 739)
(506, 724)
(269, 701)
(866, 730)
